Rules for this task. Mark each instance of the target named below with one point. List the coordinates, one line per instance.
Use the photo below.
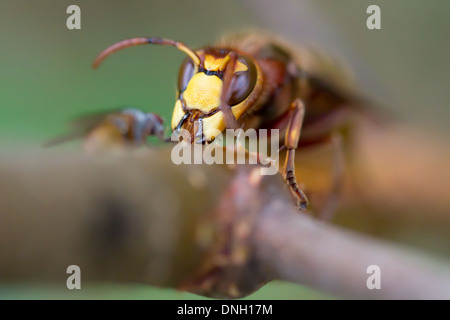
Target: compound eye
(185, 74)
(243, 82)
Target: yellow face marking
(239, 109)
(213, 123)
(212, 63)
(177, 115)
(217, 122)
(203, 92)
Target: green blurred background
(46, 77)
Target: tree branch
(302, 250)
(124, 218)
(211, 230)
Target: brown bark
(212, 230)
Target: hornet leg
(291, 143)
